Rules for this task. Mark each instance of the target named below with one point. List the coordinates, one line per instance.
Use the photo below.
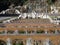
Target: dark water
(8, 15)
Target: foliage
(51, 2)
(4, 4)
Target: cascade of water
(8, 41)
(17, 11)
(47, 42)
(33, 14)
(29, 41)
(24, 15)
(3, 12)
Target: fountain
(47, 42)
(33, 14)
(8, 41)
(29, 42)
